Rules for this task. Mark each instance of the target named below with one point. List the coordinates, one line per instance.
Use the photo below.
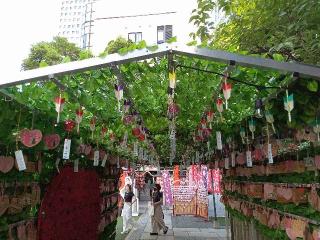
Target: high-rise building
(72, 18)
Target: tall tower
(72, 19)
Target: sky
(24, 23)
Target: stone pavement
(180, 228)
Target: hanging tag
(118, 162)
(226, 163)
(66, 149)
(96, 158)
(219, 141)
(216, 164)
(104, 160)
(57, 164)
(135, 149)
(249, 159)
(20, 160)
(233, 159)
(270, 157)
(76, 165)
(197, 157)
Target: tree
(115, 45)
(286, 27)
(54, 52)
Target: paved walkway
(180, 228)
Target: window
(135, 36)
(164, 33)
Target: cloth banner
(216, 175)
(209, 182)
(184, 200)
(167, 188)
(176, 176)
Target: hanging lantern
(258, 107)
(270, 120)
(126, 105)
(79, 115)
(316, 128)
(172, 79)
(93, 125)
(288, 104)
(242, 134)
(69, 125)
(252, 127)
(119, 94)
(219, 104)
(226, 88)
(59, 103)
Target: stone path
(180, 228)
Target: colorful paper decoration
(172, 79)
(59, 103)
(118, 90)
(210, 115)
(288, 104)
(242, 134)
(270, 120)
(252, 127)
(104, 131)
(226, 87)
(219, 140)
(93, 125)
(316, 129)
(126, 105)
(219, 104)
(167, 188)
(79, 115)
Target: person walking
(127, 209)
(157, 217)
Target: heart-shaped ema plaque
(51, 141)
(30, 138)
(6, 164)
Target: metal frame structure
(55, 71)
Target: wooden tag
(249, 159)
(96, 158)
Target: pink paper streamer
(167, 187)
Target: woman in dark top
(127, 210)
(157, 218)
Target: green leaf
(313, 85)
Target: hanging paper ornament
(219, 104)
(288, 104)
(79, 115)
(93, 125)
(59, 103)
(119, 94)
(226, 87)
(126, 105)
(210, 115)
(252, 127)
(270, 120)
(104, 131)
(69, 125)
(316, 128)
(172, 80)
(203, 123)
(242, 134)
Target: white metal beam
(248, 61)
(41, 74)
